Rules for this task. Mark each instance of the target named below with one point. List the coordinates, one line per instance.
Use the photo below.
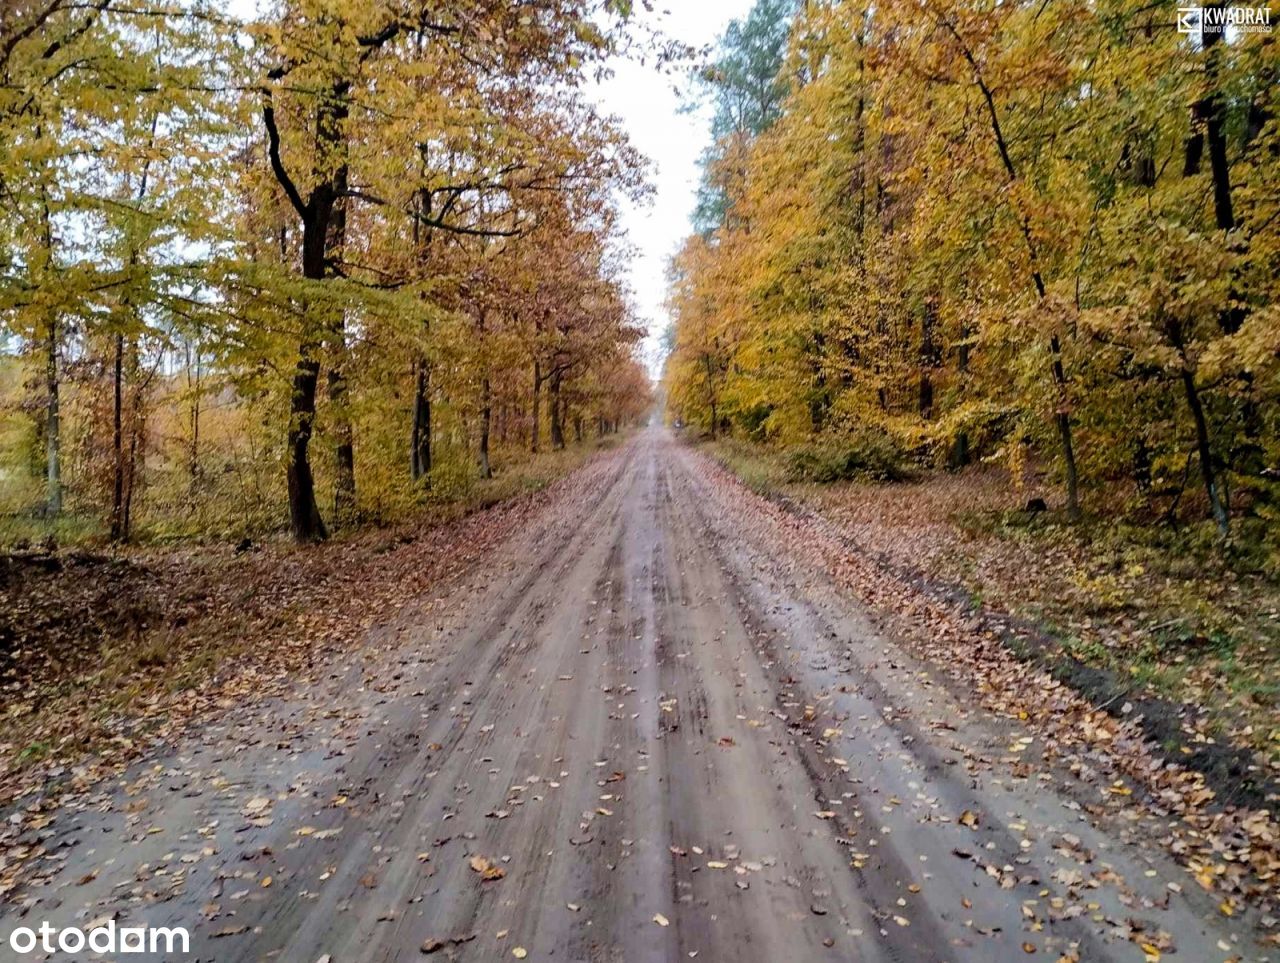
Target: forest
(378, 582)
(303, 267)
(1043, 236)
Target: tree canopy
(1038, 233)
(383, 228)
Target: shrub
(453, 476)
(870, 455)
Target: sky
(648, 105)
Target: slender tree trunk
(711, 395)
(344, 454)
(52, 424)
(960, 449)
(557, 412)
(1063, 420)
(820, 402)
(193, 385)
(1204, 451)
(420, 443)
(420, 439)
(415, 466)
(117, 443)
(125, 436)
(1062, 416)
(486, 412)
(928, 357)
(52, 384)
(486, 400)
(537, 405)
(133, 454)
(125, 464)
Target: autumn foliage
(308, 268)
(1040, 233)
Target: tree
(746, 87)
(340, 68)
(976, 231)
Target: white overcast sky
(648, 105)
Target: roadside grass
(762, 470)
(536, 472)
(456, 489)
(1162, 608)
(27, 529)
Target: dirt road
(632, 735)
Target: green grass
(32, 530)
(457, 490)
(762, 470)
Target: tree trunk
(344, 455)
(1063, 420)
(1062, 417)
(193, 385)
(711, 395)
(420, 442)
(486, 412)
(304, 513)
(928, 357)
(124, 449)
(537, 404)
(960, 449)
(1204, 450)
(415, 466)
(320, 230)
(118, 533)
(131, 458)
(125, 466)
(1208, 128)
(557, 412)
(1212, 113)
(52, 418)
(52, 424)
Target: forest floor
(644, 714)
(1134, 618)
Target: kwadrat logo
(106, 938)
(1220, 18)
